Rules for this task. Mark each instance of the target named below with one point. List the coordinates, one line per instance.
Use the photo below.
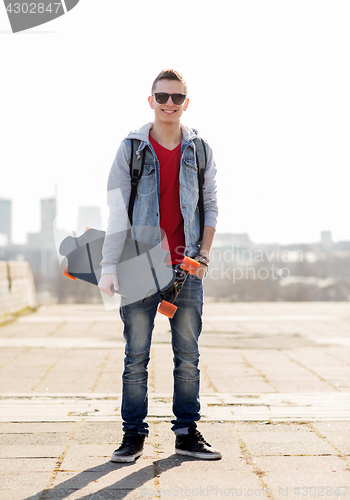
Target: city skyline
(90, 216)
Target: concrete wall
(17, 290)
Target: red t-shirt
(171, 220)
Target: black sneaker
(194, 445)
(131, 447)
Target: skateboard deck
(141, 269)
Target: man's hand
(106, 282)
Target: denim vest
(146, 226)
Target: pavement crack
(206, 376)
(324, 438)
(247, 456)
(338, 358)
(262, 375)
(311, 371)
(12, 360)
(48, 370)
(55, 330)
(46, 492)
(100, 373)
(156, 468)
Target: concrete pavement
(275, 393)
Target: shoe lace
(198, 437)
(128, 439)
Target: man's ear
(150, 100)
(186, 104)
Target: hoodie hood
(142, 134)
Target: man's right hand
(106, 282)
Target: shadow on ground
(114, 491)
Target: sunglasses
(162, 98)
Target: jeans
(186, 326)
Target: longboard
(141, 271)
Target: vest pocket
(189, 162)
(147, 184)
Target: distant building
(41, 254)
(41, 249)
(5, 219)
(48, 214)
(342, 245)
(326, 240)
(88, 217)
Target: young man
(166, 201)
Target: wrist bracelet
(203, 257)
(203, 263)
(202, 260)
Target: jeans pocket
(194, 277)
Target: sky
(268, 87)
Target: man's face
(168, 112)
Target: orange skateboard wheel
(189, 265)
(66, 273)
(167, 308)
